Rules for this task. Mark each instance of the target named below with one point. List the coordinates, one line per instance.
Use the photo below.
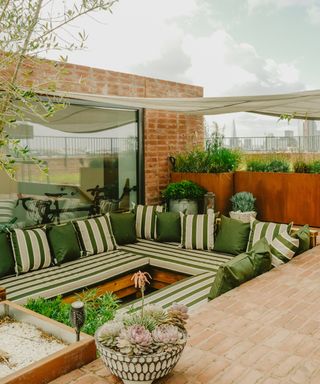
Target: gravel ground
(22, 344)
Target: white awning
(303, 105)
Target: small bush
(268, 166)
(99, 309)
(301, 167)
(315, 166)
(243, 201)
(184, 189)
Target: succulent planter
(142, 369)
(183, 205)
(245, 217)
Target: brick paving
(265, 332)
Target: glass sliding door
(92, 154)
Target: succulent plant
(135, 340)
(243, 201)
(166, 334)
(177, 315)
(109, 333)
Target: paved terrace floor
(265, 332)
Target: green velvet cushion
(232, 237)
(64, 243)
(168, 226)
(6, 256)
(303, 234)
(124, 227)
(242, 268)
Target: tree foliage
(28, 30)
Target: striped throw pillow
(30, 249)
(283, 247)
(146, 221)
(6, 210)
(260, 229)
(95, 235)
(197, 231)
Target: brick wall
(164, 132)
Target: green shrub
(99, 309)
(301, 167)
(315, 166)
(215, 159)
(256, 166)
(276, 165)
(184, 189)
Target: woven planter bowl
(139, 369)
(245, 217)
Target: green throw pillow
(6, 256)
(242, 268)
(95, 235)
(63, 242)
(303, 234)
(124, 227)
(260, 229)
(168, 227)
(283, 247)
(146, 220)
(197, 231)
(31, 249)
(232, 236)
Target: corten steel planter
(221, 184)
(142, 369)
(74, 355)
(283, 197)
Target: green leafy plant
(99, 309)
(243, 201)
(275, 165)
(29, 29)
(184, 189)
(215, 159)
(301, 167)
(315, 166)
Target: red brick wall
(164, 132)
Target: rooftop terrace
(267, 331)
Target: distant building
(310, 136)
(234, 141)
(290, 141)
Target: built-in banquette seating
(61, 259)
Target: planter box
(73, 356)
(221, 184)
(283, 197)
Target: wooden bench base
(2, 294)
(123, 286)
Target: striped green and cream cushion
(146, 221)
(31, 249)
(283, 247)
(6, 210)
(197, 231)
(96, 235)
(260, 229)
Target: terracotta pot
(142, 369)
(245, 217)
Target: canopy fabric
(303, 105)
(83, 119)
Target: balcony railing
(274, 143)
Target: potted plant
(144, 345)
(183, 196)
(243, 206)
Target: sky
(230, 47)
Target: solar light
(77, 316)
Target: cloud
(313, 13)
(226, 67)
(271, 4)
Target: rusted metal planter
(283, 197)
